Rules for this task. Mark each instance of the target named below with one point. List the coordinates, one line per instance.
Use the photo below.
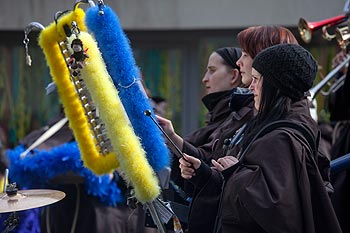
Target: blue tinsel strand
(39, 167)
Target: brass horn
(306, 28)
(314, 90)
(342, 34)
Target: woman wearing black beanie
(275, 185)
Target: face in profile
(218, 76)
(245, 64)
(256, 86)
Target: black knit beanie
(289, 67)
(230, 55)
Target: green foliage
(162, 71)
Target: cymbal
(28, 199)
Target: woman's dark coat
(223, 121)
(275, 188)
(228, 111)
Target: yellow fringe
(126, 144)
(48, 40)
(78, 15)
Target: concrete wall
(179, 14)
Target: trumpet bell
(306, 28)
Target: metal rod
(6, 176)
(149, 113)
(155, 217)
(33, 25)
(11, 222)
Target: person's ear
(236, 77)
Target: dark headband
(230, 55)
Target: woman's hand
(167, 126)
(188, 166)
(170, 132)
(224, 162)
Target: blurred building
(171, 40)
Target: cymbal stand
(11, 222)
(155, 216)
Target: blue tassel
(39, 167)
(121, 65)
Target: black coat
(223, 120)
(340, 116)
(228, 111)
(276, 188)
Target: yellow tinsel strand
(126, 144)
(2, 180)
(48, 40)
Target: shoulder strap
(303, 129)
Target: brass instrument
(342, 34)
(307, 28)
(314, 90)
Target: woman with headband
(224, 95)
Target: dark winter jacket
(276, 187)
(228, 111)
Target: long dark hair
(273, 106)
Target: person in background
(339, 108)
(274, 184)
(159, 105)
